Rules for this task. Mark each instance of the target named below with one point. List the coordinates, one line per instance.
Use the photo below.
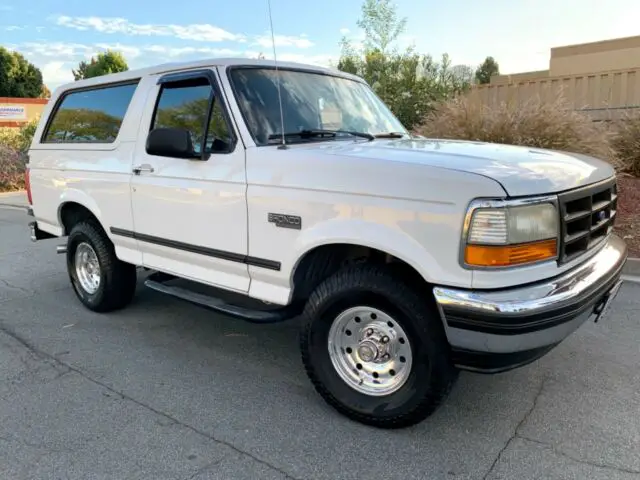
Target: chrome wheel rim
(87, 268)
(370, 351)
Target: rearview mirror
(171, 142)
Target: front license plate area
(603, 306)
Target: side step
(158, 282)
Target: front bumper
(497, 330)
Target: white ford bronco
(269, 192)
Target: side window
(185, 105)
(90, 116)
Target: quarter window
(185, 105)
(90, 116)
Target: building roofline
(595, 47)
(37, 101)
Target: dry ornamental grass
(532, 124)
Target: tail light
(27, 182)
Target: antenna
(275, 61)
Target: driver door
(190, 214)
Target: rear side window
(90, 116)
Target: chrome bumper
(501, 329)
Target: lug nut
(369, 332)
(385, 339)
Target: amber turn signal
(508, 255)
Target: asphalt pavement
(166, 390)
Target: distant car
(296, 191)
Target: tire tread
(381, 280)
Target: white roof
(169, 67)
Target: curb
(13, 205)
(15, 192)
(632, 267)
(16, 199)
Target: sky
(55, 36)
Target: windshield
(310, 101)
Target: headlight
(504, 234)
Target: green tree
(18, 77)
(381, 24)
(486, 70)
(103, 64)
(410, 83)
(81, 124)
(45, 93)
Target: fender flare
(388, 239)
(77, 196)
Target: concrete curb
(14, 199)
(632, 267)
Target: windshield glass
(310, 101)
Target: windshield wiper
(390, 135)
(311, 133)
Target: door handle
(145, 167)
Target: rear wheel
(374, 349)
(101, 281)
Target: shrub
(626, 144)
(10, 137)
(12, 167)
(19, 138)
(535, 123)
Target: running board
(157, 282)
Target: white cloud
(345, 31)
(57, 59)
(5, 8)
(56, 73)
(198, 32)
(283, 41)
(322, 60)
(128, 51)
(12, 28)
(60, 50)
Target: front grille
(587, 216)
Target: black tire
(432, 374)
(117, 279)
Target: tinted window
(186, 105)
(90, 116)
(309, 101)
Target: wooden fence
(603, 96)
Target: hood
(520, 170)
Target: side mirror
(171, 142)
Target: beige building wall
(519, 77)
(604, 95)
(601, 78)
(616, 54)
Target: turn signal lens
(508, 255)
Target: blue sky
(518, 33)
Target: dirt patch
(628, 221)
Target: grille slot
(587, 216)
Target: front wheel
(374, 349)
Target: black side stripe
(209, 252)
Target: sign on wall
(13, 112)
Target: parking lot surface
(166, 390)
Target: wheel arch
(75, 207)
